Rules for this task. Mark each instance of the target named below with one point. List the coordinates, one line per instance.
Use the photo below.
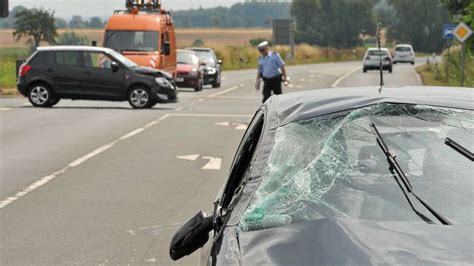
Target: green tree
(334, 23)
(60, 23)
(77, 23)
(457, 7)
(71, 38)
(36, 24)
(95, 23)
(420, 23)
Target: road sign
(462, 32)
(448, 31)
(3, 8)
(284, 34)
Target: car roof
(186, 51)
(297, 106)
(403, 45)
(74, 48)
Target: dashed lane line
(43, 181)
(223, 92)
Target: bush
(198, 43)
(71, 38)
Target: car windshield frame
(270, 207)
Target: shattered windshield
(331, 167)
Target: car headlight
(163, 82)
(194, 72)
(211, 70)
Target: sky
(104, 8)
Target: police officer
(271, 69)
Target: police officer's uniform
(269, 68)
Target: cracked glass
(332, 167)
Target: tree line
(344, 23)
(76, 22)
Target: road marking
(213, 164)
(237, 126)
(131, 232)
(43, 181)
(191, 157)
(223, 92)
(334, 85)
(4, 109)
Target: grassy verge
(8, 57)
(435, 74)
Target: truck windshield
(127, 62)
(139, 41)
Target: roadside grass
(8, 57)
(435, 74)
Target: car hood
(152, 72)
(348, 241)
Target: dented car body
(311, 183)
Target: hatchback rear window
(377, 53)
(403, 49)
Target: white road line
(222, 92)
(213, 164)
(191, 157)
(43, 181)
(334, 85)
(5, 109)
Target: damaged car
(91, 73)
(346, 176)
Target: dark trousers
(271, 85)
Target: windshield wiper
(459, 148)
(396, 169)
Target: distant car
(371, 59)
(346, 177)
(189, 70)
(91, 73)
(212, 69)
(404, 53)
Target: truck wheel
(139, 97)
(40, 95)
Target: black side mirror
(115, 67)
(166, 49)
(191, 236)
(219, 62)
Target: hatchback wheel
(199, 86)
(40, 95)
(139, 98)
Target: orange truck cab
(144, 33)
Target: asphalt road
(99, 183)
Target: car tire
(200, 85)
(54, 101)
(40, 95)
(394, 62)
(413, 63)
(390, 70)
(217, 83)
(139, 97)
(365, 70)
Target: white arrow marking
(225, 124)
(191, 157)
(213, 164)
(241, 127)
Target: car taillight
(23, 70)
(387, 58)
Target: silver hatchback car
(404, 53)
(372, 57)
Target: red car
(189, 72)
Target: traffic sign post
(462, 33)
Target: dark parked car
(92, 73)
(189, 72)
(212, 68)
(347, 176)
